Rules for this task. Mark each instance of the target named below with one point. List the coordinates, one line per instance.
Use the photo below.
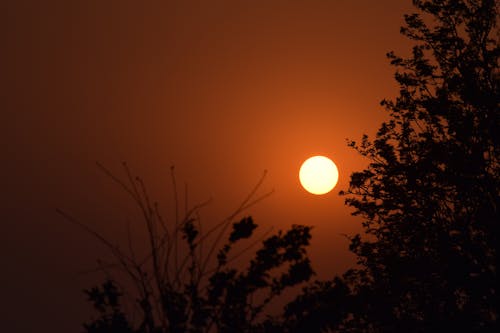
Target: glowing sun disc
(318, 175)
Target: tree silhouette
(430, 195)
(186, 282)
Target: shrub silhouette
(191, 292)
(430, 195)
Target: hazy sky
(221, 89)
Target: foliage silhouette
(181, 288)
(106, 301)
(430, 195)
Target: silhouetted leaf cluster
(105, 300)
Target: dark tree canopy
(430, 195)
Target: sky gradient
(223, 90)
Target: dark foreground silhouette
(429, 201)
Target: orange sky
(220, 89)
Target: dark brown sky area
(221, 89)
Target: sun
(318, 175)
